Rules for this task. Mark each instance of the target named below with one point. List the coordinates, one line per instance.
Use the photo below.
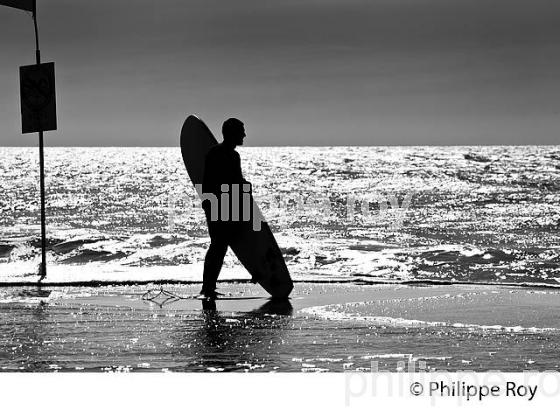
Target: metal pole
(43, 266)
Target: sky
(305, 72)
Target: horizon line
(287, 146)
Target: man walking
(222, 175)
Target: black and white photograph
(279, 186)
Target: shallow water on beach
(476, 214)
(113, 330)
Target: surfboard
(257, 251)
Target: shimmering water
(478, 214)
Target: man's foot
(210, 294)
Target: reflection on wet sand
(26, 336)
(113, 329)
(226, 341)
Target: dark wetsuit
(222, 166)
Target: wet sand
(323, 327)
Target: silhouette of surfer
(222, 174)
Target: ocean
(340, 214)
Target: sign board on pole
(38, 99)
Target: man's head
(233, 131)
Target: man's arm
(238, 173)
(239, 176)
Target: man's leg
(214, 257)
(212, 265)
